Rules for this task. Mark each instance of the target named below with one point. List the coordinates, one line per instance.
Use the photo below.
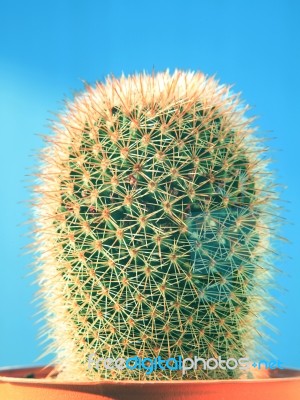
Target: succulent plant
(154, 215)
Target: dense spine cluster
(153, 219)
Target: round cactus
(153, 221)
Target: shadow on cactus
(154, 215)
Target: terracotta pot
(30, 384)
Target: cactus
(154, 215)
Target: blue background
(48, 48)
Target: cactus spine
(154, 216)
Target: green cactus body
(153, 221)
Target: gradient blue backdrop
(48, 48)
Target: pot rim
(276, 375)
